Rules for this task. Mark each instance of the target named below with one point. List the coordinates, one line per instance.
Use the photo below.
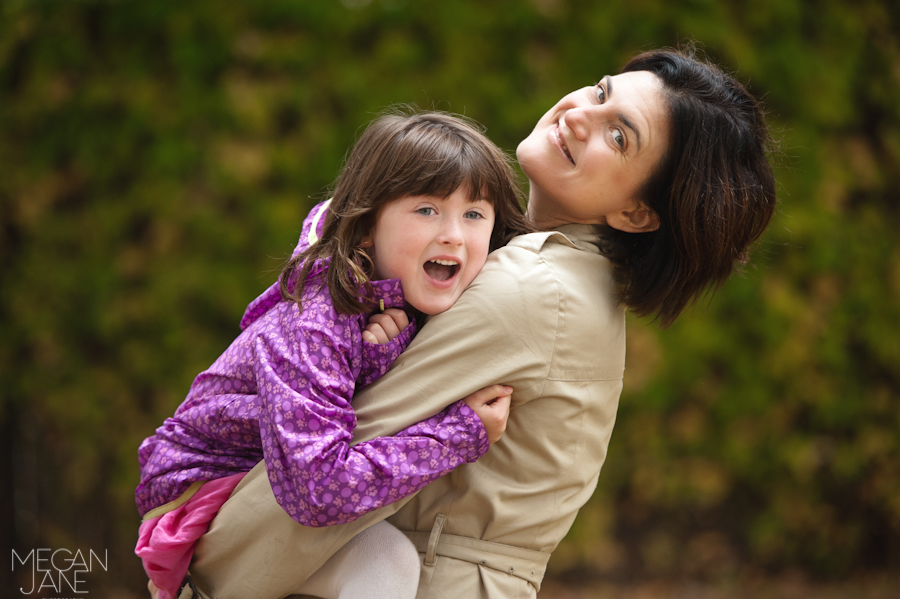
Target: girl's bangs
(478, 174)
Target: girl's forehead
(482, 194)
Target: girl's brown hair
(403, 152)
(714, 190)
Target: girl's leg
(378, 563)
(254, 549)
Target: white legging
(378, 563)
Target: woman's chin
(529, 151)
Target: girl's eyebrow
(625, 120)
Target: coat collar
(584, 237)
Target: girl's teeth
(445, 262)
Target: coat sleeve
(305, 372)
(502, 330)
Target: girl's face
(589, 155)
(435, 246)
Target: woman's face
(589, 155)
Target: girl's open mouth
(441, 270)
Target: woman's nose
(578, 121)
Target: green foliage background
(157, 159)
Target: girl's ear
(366, 242)
(639, 220)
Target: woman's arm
(502, 330)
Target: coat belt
(527, 564)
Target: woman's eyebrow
(625, 120)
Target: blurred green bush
(157, 159)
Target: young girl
(421, 201)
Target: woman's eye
(601, 94)
(473, 214)
(426, 211)
(618, 138)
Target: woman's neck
(546, 214)
(546, 221)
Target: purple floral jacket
(281, 392)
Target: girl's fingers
(384, 327)
(375, 334)
(387, 324)
(502, 403)
(399, 317)
(488, 394)
(491, 405)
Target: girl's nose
(451, 232)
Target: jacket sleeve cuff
(377, 358)
(459, 428)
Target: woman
(650, 187)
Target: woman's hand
(492, 406)
(385, 326)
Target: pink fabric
(166, 543)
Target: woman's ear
(639, 220)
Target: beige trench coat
(540, 317)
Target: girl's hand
(385, 326)
(492, 406)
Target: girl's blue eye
(473, 215)
(427, 211)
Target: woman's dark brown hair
(714, 190)
(403, 152)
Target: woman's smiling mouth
(561, 143)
